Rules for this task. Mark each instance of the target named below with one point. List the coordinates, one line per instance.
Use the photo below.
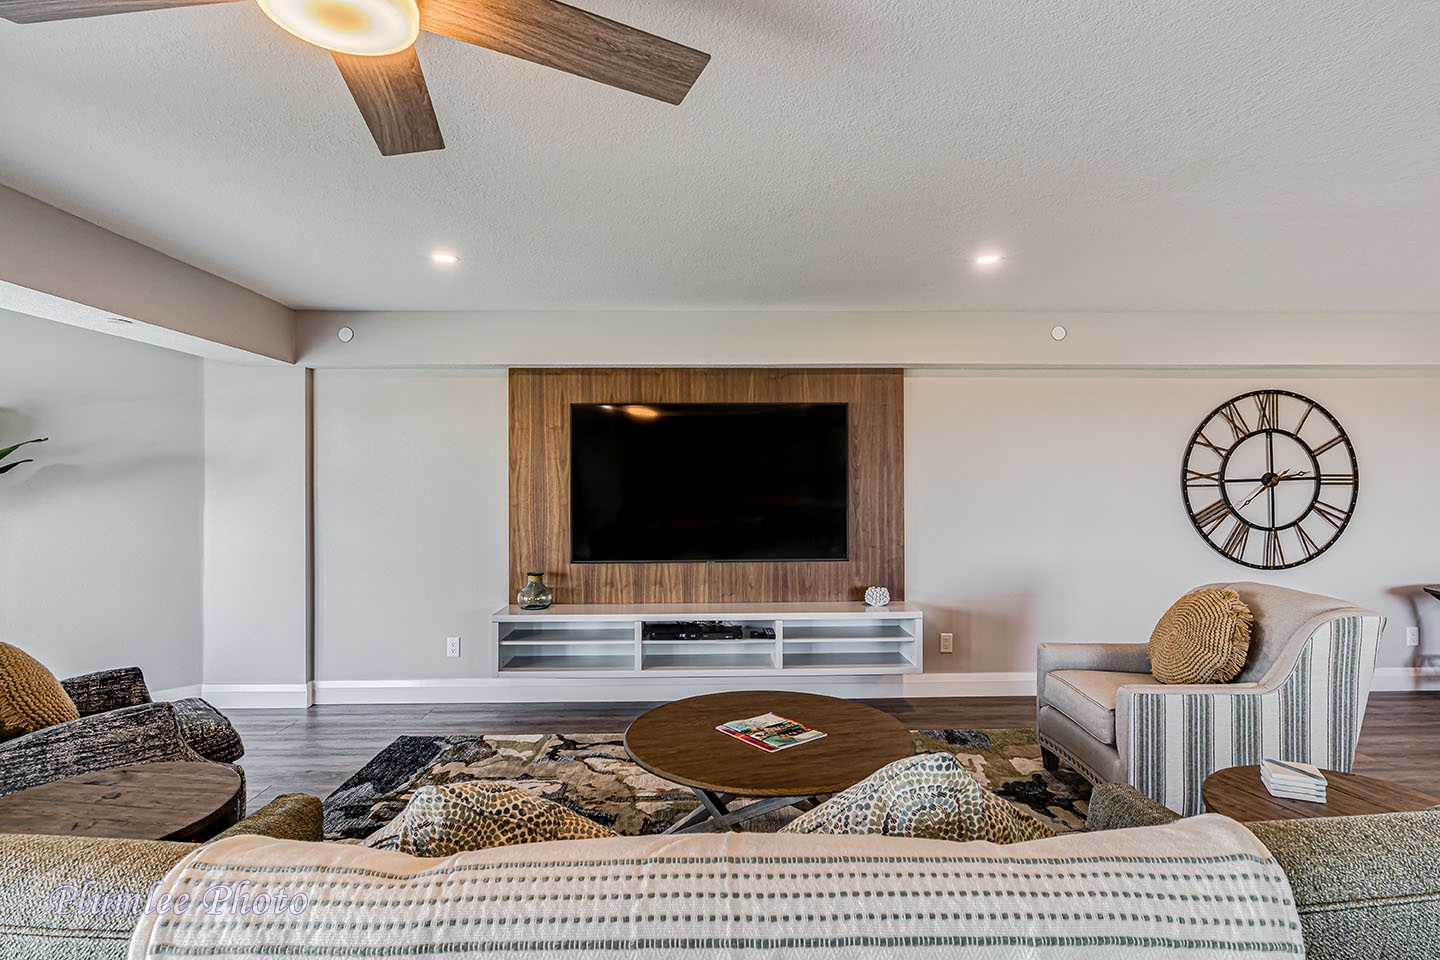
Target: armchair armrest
(290, 816)
(1116, 806)
(1159, 694)
(146, 733)
(1363, 884)
(1118, 657)
(107, 690)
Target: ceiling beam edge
(1368, 344)
(57, 266)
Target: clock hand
(1282, 475)
(1258, 490)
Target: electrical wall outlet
(1412, 636)
(947, 643)
(452, 646)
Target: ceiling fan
(372, 42)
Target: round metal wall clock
(1270, 479)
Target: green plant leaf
(11, 466)
(9, 450)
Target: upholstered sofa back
(1202, 886)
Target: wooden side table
(143, 801)
(679, 742)
(1238, 793)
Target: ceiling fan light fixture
(364, 28)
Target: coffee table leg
(716, 804)
(690, 820)
(713, 815)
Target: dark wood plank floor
(315, 750)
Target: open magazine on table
(770, 732)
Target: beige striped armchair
(1301, 696)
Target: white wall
(100, 538)
(1039, 506)
(257, 538)
(1009, 559)
(1048, 507)
(1041, 503)
(411, 520)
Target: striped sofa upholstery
(1301, 696)
(1201, 887)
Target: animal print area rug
(591, 774)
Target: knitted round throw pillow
(30, 696)
(1202, 638)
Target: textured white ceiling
(1146, 155)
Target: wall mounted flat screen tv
(707, 482)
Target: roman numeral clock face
(1270, 479)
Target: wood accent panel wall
(540, 485)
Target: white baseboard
(1406, 678)
(231, 696)
(176, 693)
(644, 689)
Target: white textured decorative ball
(877, 596)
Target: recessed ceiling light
(988, 259)
(447, 259)
(119, 320)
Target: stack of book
(1293, 780)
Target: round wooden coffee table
(679, 742)
(143, 801)
(1238, 793)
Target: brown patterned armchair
(119, 724)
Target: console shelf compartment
(809, 638)
(711, 663)
(541, 638)
(855, 662)
(529, 663)
(849, 633)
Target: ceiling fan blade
(391, 94)
(554, 34)
(43, 11)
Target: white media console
(812, 639)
